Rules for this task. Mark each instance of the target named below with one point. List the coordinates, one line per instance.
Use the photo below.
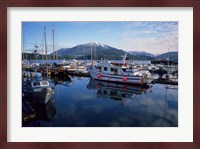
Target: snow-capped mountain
(96, 44)
(99, 51)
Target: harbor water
(82, 102)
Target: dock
(164, 81)
(79, 74)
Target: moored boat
(118, 72)
(37, 91)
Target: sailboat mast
(45, 39)
(124, 58)
(42, 52)
(168, 57)
(168, 62)
(91, 53)
(54, 56)
(23, 37)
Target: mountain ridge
(173, 55)
(98, 50)
(103, 51)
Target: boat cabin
(112, 69)
(43, 83)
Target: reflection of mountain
(116, 91)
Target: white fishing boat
(118, 72)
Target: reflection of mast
(168, 87)
(123, 103)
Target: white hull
(140, 80)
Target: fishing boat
(118, 72)
(37, 91)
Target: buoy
(124, 78)
(99, 76)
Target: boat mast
(43, 45)
(168, 57)
(168, 62)
(54, 54)
(45, 40)
(124, 58)
(91, 53)
(23, 37)
(42, 53)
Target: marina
(84, 101)
(97, 85)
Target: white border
(183, 133)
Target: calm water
(86, 103)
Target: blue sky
(153, 37)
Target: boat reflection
(43, 112)
(46, 111)
(117, 91)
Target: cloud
(154, 37)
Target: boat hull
(38, 96)
(137, 80)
